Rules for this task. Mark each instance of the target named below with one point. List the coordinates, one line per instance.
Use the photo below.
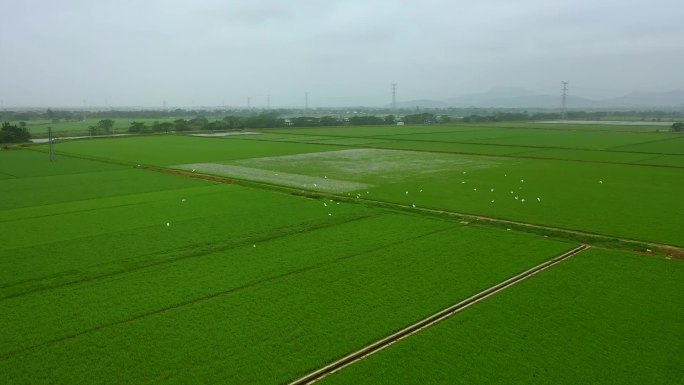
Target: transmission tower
(268, 102)
(306, 101)
(564, 97)
(394, 96)
(249, 103)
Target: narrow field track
(431, 320)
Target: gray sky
(125, 53)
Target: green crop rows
(260, 258)
(576, 323)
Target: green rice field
(566, 326)
(257, 259)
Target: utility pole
(306, 101)
(564, 97)
(50, 148)
(394, 97)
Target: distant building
(400, 123)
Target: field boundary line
(430, 320)
(218, 294)
(640, 143)
(184, 253)
(8, 174)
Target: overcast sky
(210, 52)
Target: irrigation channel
(430, 320)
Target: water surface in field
(369, 164)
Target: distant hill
(649, 99)
(504, 97)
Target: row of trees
(233, 122)
(10, 133)
(56, 115)
(103, 127)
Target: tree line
(233, 122)
(503, 116)
(57, 115)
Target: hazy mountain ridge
(502, 97)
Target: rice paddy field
(258, 259)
